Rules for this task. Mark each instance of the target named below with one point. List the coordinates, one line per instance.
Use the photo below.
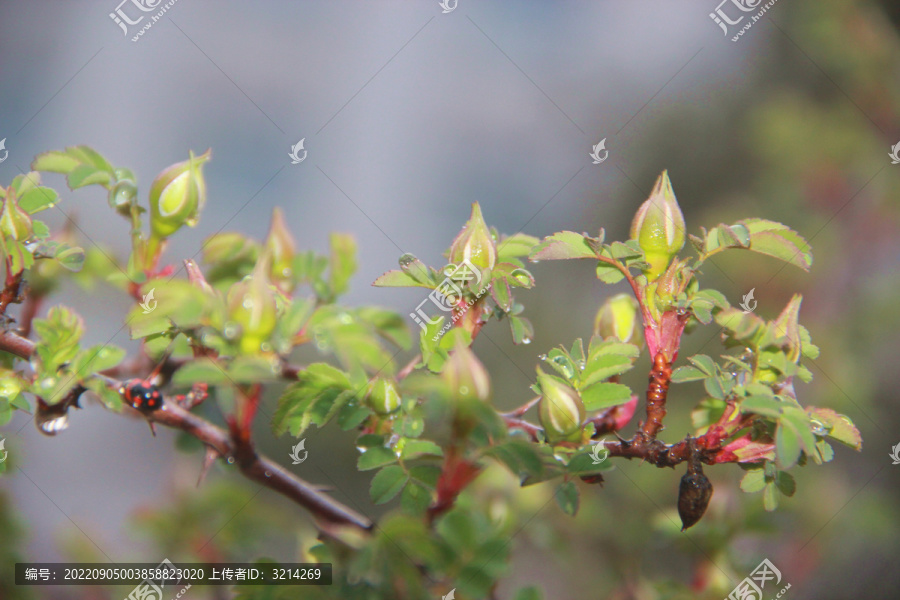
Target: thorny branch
(254, 466)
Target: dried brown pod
(694, 492)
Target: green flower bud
(15, 223)
(280, 245)
(658, 226)
(474, 243)
(561, 411)
(382, 396)
(617, 318)
(177, 195)
(123, 193)
(466, 376)
(252, 305)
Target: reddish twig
(657, 391)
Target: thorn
(208, 459)
(152, 428)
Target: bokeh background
(408, 116)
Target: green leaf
(373, 458)
(785, 483)
(770, 497)
(387, 483)
(779, 241)
(840, 427)
(70, 258)
(343, 261)
(519, 456)
(583, 464)
(201, 370)
(567, 497)
(561, 246)
(704, 363)
(253, 369)
(762, 405)
(37, 199)
(608, 273)
(97, 358)
(81, 164)
(388, 324)
(416, 448)
(529, 593)
(522, 330)
(687, 373)
(754, 480)
(787, 444)
(416, 498)
(604, 366)
(604, 395)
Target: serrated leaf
(604, 395)
(608, 273)
(704, 363)
(779, 241)
(787, 444)
(785, 483)
(604, 366)
(37, 199)
(373, 458)
(398, 279)
(562, 246)
(416, 448)
(567, 497)
(754, 480)
(415, 498)
(687, 373)
(387, 483)
(201, 370)
(840, 427)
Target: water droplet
(54, 425)
(268, 473)
(526, 340)
(230, 460)
(345, 318)
(231, 330)
(463, 390)
(818, 427)
(265, 346)
(286, 272)
(542, 356)
(247, 303)
(406, 260)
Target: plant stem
(254, 466)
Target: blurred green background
(792, 123)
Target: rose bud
(280, 244)
(252, 305)
(658, 226)
(561, 411)
(177, 195)
(474, 243)
(617, 318)
(14, 222)
(382, 396)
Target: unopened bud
(280, 244)
(658, 226)
(252, 305)
(561, 411)
(177, 195)
(15, 223)
(466, 376)
(474, 243)
(617, 318)
(382, 396)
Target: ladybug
(142, 395)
